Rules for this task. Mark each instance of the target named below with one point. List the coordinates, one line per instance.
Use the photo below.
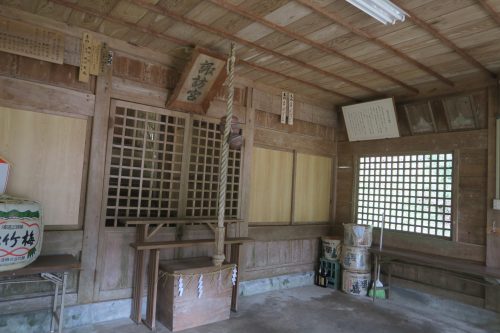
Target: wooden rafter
(185, 43)
(436, 34)
(288, 77)
(129, 25)
(166, 12)
(302, 39)
(339, 20)
(491, 11)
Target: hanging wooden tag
(284, 102)
(90, 57)
(290, 108)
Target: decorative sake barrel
(355, 283)
(331, 247)
(357, 235)
(21, 232)
(356, 259)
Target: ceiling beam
(185, 43)
(166, 12)
(302, 39)
(288, 77)
(491, 11)
(339, 20)
(436, 34)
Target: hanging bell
(235, 137)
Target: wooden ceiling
(324, 49)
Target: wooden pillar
(95, 184)
(492, 294)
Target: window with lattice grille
(203, 180)
(414, 191)
(146, 169)
(145, 165)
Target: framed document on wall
(371, 120)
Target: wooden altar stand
(143, 245)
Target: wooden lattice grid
(203, 177)
(415, 192)
(144, 165)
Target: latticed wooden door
(162, 164)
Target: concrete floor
(313, 309)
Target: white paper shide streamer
(200, 286)
(181, 286)
(235, 274)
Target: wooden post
(154, 261)
(138, 284)
(492, 295)
(95, 186)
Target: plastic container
(356, 259)
(358, 235)
(21, 232)
(332, 247)
(355, 283)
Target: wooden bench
(48, 267)
(462, 269)
(142, 246)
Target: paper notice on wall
(31, 41)
(371, 120)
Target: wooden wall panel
(271, 186)
(313, 183)
(270, 258)
(47, 155)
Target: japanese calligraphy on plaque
(90, 57)
(199, 83)
(31, 41)
(21, 232)
(371, 120)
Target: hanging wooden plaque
(290, 108)
(199, 83)
(284, 102)
(90, 57)
(31, 41)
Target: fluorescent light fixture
(383, 11)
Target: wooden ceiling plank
(488, 7)
(186, 43)
(122, 23)
(284, 19)
(265, 69)
(338, 19)
(436, 34)
(180, 18)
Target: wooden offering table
(53, 269)
(145, 230)
(183, 303)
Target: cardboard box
(4, 174)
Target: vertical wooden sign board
(284, 102)
(290, 108)
(90, 57)
(31, 41)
